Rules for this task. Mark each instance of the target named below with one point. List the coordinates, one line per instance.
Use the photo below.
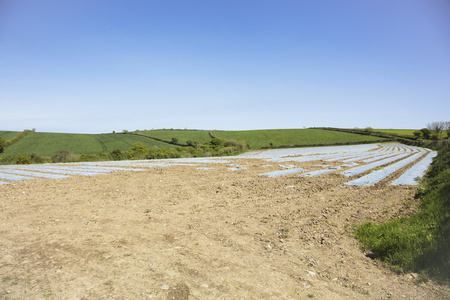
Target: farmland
(409, 132)
(182, 135)
(8, 135)
(46, 144)
(258, 139)
(241, 227)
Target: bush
(139, 151)
(117, 154)
(417, 134)
(425, 133)
(62, 156)
(2, 144)
(23, 159)
(37, 159)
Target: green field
(8, 135)
(406, 132)
(182, 135)
(294, 137)
(409, 132)
(46, 144)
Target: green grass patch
(258, 139)
(409, 132)
(420, 243)
(8, 135)
(47, 144)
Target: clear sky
(93, 66)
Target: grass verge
(420, 243)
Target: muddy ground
(184, 233)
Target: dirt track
(179, 232)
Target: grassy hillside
(295, 137)
(182, 135)
(8, 135)
(46, 144)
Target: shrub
(217, 143)
(23, 159)
(417, 134)
(2, 144)
(37, 159)
(425, 133)
(139, 150)
(435, 136)
(62, 156)
(117, 154)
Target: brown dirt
(183, 233)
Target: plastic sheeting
(416, 171)
(283, 172)
(381, 174)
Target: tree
(417, 134)
(2, 144)
(139, 150)
(437, 127)
(116, 154)
(425, 133)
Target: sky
(97, 66)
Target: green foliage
(417, 134)
(139, 150)
(117, 154)
(420, 243)
(23, 159)
(425, 133)
(7, 159)
(2, 144)
(37, 159)
(435, 136)
(62, 156)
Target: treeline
(215, 147)
(420, 243)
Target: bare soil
(184, 233)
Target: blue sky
(93, 66)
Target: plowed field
(189, 233)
